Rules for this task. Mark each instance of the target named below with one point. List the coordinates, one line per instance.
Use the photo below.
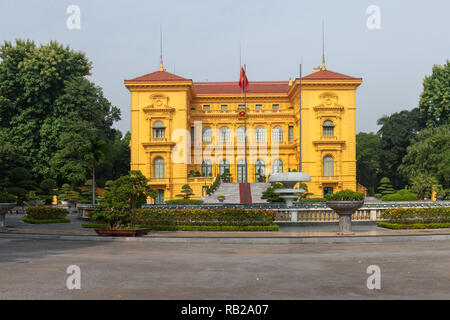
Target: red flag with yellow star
(243, 81)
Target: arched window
(159, 129)
(277, 134)
(241, 134)
(260, 134)
(277, 166)
(224, 164)
(328, 166)
(224, 134)
(206, 134)
(207, 168)
(158, 167)
(328, 128)
(260, 170)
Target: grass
(398, 226)
(26, 219)
(194, 228)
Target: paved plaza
(36, 269)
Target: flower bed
(204, 217)
(46, 213)
(417, 215)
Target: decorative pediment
(329, 101)
(158, 103)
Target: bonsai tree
(226, 176)
(66, 193)
(186, 192)
(19, 183)
(126, 194)
(48, 187)
(260, 177)
(270, 194)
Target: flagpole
(300, 122)
(245, 130)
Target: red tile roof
(328, 75)
(158, 76)
(233, 87)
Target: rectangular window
(206, 107)
(241, 107)
(158, 132)
(192, 134)
(258, 107)
(275, 106)
(291, 133)
(224, 107)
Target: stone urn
(289, 180)
(345, 210)
(4, 208)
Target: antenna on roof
(161, 68)
(323, 44)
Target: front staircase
(232, 195)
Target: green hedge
(46, 213)
(398, 226)
(314, 200)
(193, 228)
(184, 201)
(417, 215)
(7, 198)
(217, 217)
(401, 195)
(345, 195)
(42, 221)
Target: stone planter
(345, 210)
(4, 208)
(221, 199)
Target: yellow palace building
(185, 132)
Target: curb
(234, 240)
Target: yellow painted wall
(178, 106)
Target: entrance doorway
(327, 190)
(241, 171)
(160, 197)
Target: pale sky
(201, 42)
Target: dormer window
(224, 107)
(206, 107)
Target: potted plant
(226, 176)
(260, 177)
(345, 203)
(221, 197)
(7, 202)
(126, 194)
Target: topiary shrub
(401, 195)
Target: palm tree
(97, 148)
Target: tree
(47, 186)
(422, 184)
(19, 183)
(368, 151)
(11, 155)
(44, 93)
(126, 194)
(97, 151)
(396, 134)
(429, 154)
(435, 99)
(385, 186)
(186, 192)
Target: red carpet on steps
(242, 192)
